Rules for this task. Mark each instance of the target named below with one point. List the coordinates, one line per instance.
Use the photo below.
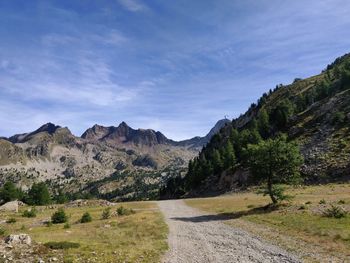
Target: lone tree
(10, 192)
(39, 194)
(275, 161)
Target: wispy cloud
(132, 5)
(177, 69)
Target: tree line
(38, 194)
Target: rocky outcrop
(20, 239)
(10, 206)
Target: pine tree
(10, 192)
(263, 123)
(275, 161)
(229, 157)
(217, 162)
(38, 194)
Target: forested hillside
(313, 112)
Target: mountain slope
(199, 142)
(315, 112)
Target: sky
(175, 66)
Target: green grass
(138, 237)
(308, 224)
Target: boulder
(10, 206)
(20, 239)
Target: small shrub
(49, 223)
(322, 202)
(68, 260)
(23, 227)
(106, 213)
(59, 217)
(86, 218)
(308, 203)
(339, 118)
(250, 206)
(335, 212)
(66, 226)
(122, 211)
(11, 220)
(302, 207)
(2, 231)
(341, 202)
(30, 212)
(61, 245)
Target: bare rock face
(10, 206)
(20, 239)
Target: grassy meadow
(137, 237)
(299, 225)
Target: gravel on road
(196, 236)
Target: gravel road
(199, 237)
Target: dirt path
(199, 237)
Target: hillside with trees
(313, 113)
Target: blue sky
(175, 66)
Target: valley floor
(202, 237)
(229, 228)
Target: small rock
(18, 239)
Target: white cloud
(58, 39)
(132, 5)
(110, 37)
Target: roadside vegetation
(93, 233)
(315, 222)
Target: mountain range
(105, 160)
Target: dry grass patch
(138, 237)
(308, 225)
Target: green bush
(335, 212)
(341, 202)
(86, 218)
(106, 213)
(11, 220)
(30, 212)
(59, 217)
(122, 211)
(66, 226)
(62, 245)
(339, 118)
(302, 207)
(322, 202)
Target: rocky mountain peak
(218, 126)
(48, 127)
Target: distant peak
(123, 124)
(48, 127)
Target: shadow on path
(227, 216)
